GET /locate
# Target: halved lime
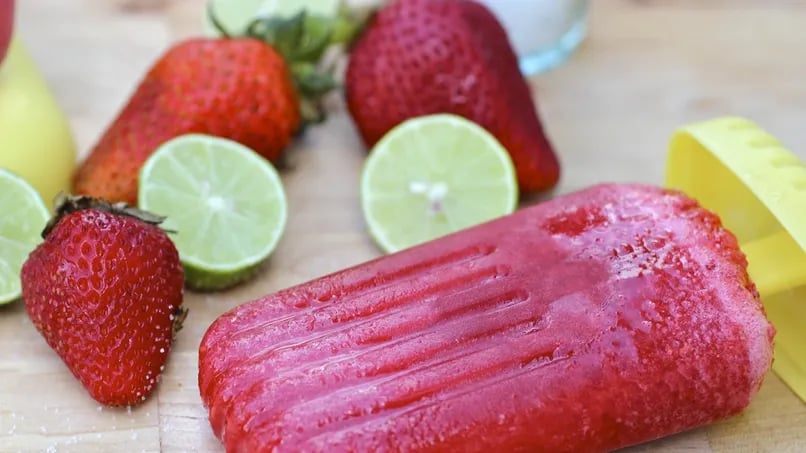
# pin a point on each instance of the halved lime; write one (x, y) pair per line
(225, 203)
(24, 216)
(236, 15)
(434, 175)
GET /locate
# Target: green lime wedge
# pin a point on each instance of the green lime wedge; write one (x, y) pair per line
(24, 216)
(225, 203)
(434, 175)
(236, 15)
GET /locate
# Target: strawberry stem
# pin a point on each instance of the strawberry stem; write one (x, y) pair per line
(65, 204)
(304, 40)
(179, 315)
(217, 23)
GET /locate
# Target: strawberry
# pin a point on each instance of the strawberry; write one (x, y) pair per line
(239, 88)
(105, 291)
(419, 57)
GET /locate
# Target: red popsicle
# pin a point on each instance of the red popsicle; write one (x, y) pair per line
(605, 318)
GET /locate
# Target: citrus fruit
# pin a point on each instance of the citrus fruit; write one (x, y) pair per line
(24, 217)
(225, 203)
(236, 15)
(36, 142)
(434, 175)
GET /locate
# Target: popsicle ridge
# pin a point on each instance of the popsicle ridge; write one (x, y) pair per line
(373, 373)
(300, 303)
(354, 340)
(370, 361)
(336, 326)
(597, 320)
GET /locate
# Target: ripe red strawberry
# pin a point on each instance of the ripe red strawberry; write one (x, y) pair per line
(105, 290)
(418, 57)
(239, 88)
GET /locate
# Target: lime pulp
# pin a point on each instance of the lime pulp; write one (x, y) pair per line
(225, 204)
(434, 175)
(24, 217)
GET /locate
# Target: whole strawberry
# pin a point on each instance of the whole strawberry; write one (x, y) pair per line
(105, 290)
(418, 57)
(240, 88)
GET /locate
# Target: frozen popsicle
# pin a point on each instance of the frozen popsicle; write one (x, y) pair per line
(757, 187)
(597, 320)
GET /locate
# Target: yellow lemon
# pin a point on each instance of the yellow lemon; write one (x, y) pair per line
(35, 139)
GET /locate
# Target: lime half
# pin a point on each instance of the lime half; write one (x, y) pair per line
(434, 175)
(24, 217)
(236, 15)
(225, 203)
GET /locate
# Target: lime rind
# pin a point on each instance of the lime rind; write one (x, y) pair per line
(211, 279)
(226, 203)
(24, 216)
(475, 167)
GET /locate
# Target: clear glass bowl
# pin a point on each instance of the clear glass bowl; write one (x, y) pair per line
(544, 33)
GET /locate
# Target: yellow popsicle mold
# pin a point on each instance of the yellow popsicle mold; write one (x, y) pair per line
(758, 188)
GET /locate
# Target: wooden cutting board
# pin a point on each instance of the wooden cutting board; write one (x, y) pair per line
(647, 67)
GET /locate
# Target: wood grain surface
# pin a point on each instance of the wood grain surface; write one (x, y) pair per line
(646, 68)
